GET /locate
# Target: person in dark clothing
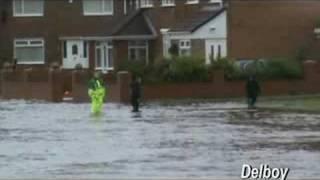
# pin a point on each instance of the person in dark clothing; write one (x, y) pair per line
(253, 90)
(135, 87)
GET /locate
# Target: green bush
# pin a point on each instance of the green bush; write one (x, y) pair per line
(178, 69)
(231, 70)
(186, 69)
(135, 67)
(283, 68)
(194, 69)
(276, 68)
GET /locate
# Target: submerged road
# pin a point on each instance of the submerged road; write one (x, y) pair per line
(200, 139)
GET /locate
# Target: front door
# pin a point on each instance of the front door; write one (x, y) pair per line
(104, 56)
(75, 54)
(215, 49)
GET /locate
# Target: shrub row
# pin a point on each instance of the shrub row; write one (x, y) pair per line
(191, 69)
(179, 69)
(276, 68)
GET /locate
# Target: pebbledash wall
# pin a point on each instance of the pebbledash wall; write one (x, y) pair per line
(27, 85)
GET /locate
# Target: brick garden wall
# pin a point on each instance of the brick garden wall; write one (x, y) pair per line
(32, 84)
(221, 88)
(48, 85)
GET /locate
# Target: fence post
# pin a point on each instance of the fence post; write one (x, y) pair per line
(311, 76)
(26, 82)
(79, 86)
(55, 84)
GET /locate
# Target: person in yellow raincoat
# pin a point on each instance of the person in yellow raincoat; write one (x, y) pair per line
(97, 93)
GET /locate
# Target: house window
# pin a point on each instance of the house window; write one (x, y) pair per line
(104, 55)
(29, 51)
(75, 49)
(85, 49)
(99, 56)
(184, 47)
(168, 3)
(146, 3)
(216, 2)
(97, 7)
(219, 52)
(64, 49)
(110, 55)
(138, 50)
(215, 52)
(28, 7)
(212, 53)
(192, 1)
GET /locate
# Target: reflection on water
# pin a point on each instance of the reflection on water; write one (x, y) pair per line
(194, 139)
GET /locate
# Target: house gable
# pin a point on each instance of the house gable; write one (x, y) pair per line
(207, 39)
(213, 28)
(138, 25)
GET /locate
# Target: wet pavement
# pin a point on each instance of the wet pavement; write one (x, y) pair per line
(205, 139)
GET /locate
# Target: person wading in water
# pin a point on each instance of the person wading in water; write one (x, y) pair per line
(135, 93)
(97, 92)
(253, 90)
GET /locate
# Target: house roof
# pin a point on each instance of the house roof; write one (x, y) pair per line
(196, 20)
(135, 25)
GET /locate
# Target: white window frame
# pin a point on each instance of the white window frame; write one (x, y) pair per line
(216, 2)
(103, 13)
(23, 14)
(168, 3)
(29, 44)
(184, 45)
(109, 46)
(192, 2)
(146, 47)
(146, 3)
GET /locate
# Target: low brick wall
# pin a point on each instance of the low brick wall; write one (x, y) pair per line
(28, 84)
(49, 85)
(223, 88)
(13, 84)
(226, 89)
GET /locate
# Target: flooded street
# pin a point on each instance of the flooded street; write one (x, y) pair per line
(182, 140)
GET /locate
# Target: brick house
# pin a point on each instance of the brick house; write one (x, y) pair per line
(205, 33)
(100, 34)
(273, 28)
